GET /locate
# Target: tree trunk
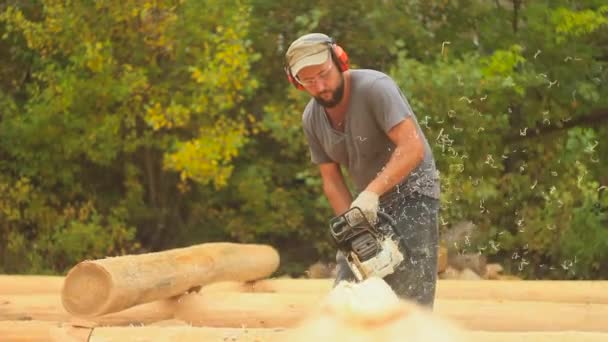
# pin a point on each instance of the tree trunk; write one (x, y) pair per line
(98, 287)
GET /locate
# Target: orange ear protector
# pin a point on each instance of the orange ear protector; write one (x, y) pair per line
(337, 54)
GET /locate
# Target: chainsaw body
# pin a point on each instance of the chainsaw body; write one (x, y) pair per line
(370, 250)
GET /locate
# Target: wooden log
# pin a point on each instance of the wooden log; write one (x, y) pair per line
(267, 310)
(561, 291)
(503, 315)
(541, 290)
(251, 310)
(273, 285)
(42, 331)
(28, 284)
(49, 308)
(537, 336)
(97, 287)
(195, 334)
(186, 334)
(565, 291)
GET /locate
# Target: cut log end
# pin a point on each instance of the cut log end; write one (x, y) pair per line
(86, 288)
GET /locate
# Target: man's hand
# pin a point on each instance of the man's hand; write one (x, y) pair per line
(368, 202)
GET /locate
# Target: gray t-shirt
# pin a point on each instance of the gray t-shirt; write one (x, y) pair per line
(376, 105)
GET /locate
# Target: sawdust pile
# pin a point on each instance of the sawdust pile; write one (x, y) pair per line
(371, 311)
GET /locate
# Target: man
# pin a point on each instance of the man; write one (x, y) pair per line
(360, 120)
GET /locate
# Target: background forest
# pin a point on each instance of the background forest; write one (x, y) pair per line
(129, 126)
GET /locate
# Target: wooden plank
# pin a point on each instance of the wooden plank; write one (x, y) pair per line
(96, 287)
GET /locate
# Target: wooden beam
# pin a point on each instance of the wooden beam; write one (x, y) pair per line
(97, 287)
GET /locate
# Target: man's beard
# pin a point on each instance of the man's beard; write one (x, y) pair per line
(336, 96)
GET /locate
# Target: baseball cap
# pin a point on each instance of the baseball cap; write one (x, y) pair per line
(309, 49)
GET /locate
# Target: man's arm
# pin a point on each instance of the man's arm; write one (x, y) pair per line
(408, 153)
(335, 187)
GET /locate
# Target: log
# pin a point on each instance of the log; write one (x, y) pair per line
(537, 336)
(273, 285)
(27, 284)
(97, 287)
(562, 291)
(268, 310)
(504, 315)
(42, 331)
(48, 308)
(195, 334)
(250, 310)
(186, 334)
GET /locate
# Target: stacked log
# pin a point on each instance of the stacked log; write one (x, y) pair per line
(148, 296)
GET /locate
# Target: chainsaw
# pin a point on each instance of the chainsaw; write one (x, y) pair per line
(370, 250)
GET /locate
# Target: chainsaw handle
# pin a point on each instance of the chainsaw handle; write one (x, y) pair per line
(388, 218)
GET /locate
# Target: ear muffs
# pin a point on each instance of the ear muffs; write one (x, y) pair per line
(292, 79)
(338, 55)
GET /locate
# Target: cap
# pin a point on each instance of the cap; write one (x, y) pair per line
(309, 49)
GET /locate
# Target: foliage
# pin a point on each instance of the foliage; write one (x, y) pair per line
(141, 125)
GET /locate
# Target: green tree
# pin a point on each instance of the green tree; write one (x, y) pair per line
(124, 105)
